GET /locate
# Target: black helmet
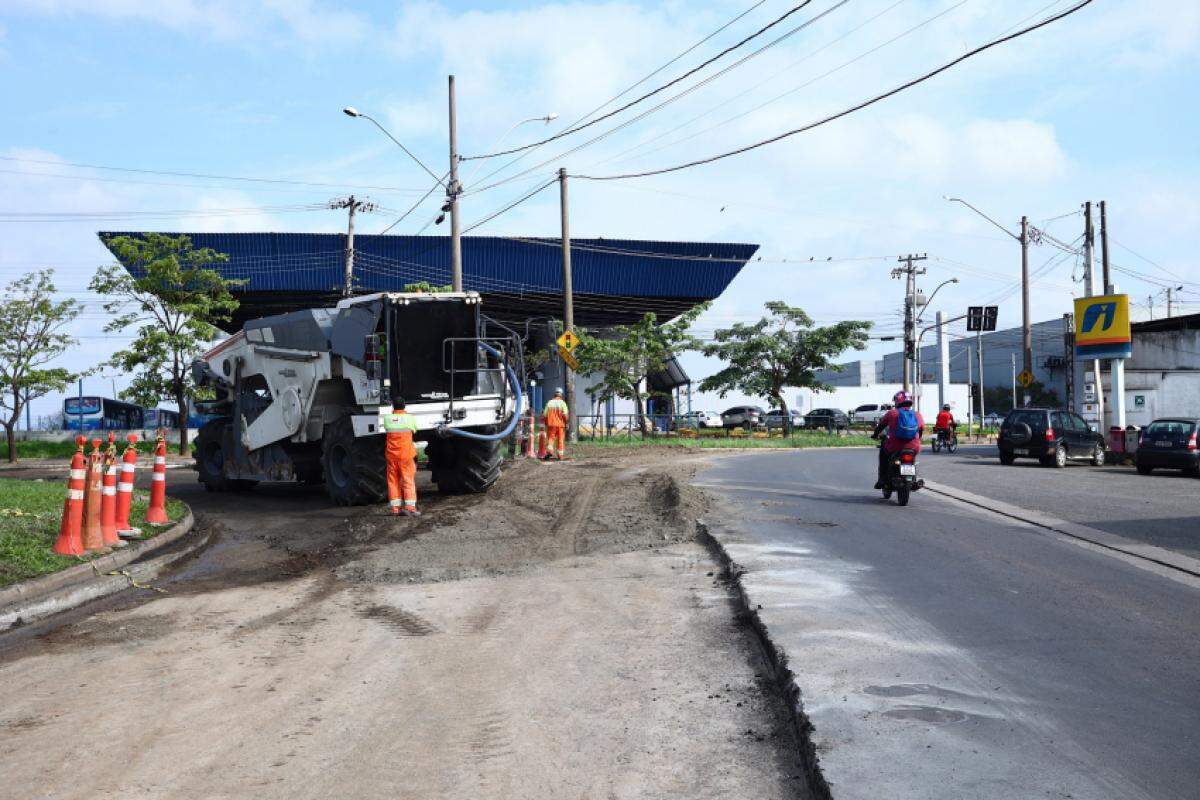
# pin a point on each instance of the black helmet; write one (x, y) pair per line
(946, 407)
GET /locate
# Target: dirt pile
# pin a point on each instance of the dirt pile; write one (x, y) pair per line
(538, 512)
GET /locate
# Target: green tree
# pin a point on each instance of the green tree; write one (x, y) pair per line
(998, 399)
(31, 337)
(628, 353)
(780, 350)
(174, 303)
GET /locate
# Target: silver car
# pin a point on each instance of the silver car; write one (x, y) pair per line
(744, 417)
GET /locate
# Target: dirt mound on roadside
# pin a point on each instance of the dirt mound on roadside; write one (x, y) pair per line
(537, 512)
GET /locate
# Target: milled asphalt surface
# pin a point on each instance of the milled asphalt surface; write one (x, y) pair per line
(947, 652)
(1161, 509)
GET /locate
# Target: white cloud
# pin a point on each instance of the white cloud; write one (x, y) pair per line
(301, 21)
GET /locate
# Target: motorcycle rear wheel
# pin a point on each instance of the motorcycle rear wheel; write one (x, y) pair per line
(902, 495)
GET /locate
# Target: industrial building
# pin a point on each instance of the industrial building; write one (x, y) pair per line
(1162, 378)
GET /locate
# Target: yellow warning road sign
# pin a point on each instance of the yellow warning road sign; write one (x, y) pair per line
(1025, 378)
(568, 341)
(569, 359)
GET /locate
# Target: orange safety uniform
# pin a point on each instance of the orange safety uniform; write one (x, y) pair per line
(556, 427)
(401, 460)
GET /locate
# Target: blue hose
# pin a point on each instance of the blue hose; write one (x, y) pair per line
(512, 423)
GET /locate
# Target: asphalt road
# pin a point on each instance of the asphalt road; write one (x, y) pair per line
(947, 652)
(1161, 509)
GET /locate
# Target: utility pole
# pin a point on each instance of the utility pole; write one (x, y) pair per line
(1150, 302)
(452, 191)
(1089, 282)
(1069, 357)
(910, 274)
(1026, 325)
(970, 394)
(568, 301)
(1104, 247)
(1014, 380)
(352, 204)
(1168, 302)
(943, 345)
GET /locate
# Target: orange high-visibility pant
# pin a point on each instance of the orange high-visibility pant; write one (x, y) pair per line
(556, 440)
(401, 471)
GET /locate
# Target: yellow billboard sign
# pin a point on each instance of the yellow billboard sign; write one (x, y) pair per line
(1102, 327)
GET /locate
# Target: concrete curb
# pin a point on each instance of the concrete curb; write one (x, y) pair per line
(34, 599)
(1110, 541)
(785, 679)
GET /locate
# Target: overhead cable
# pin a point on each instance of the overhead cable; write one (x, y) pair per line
(852, 109)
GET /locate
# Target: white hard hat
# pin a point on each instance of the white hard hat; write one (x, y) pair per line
(558, 391)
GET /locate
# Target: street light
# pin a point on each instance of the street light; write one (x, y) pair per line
(351, 111)
(547, 119)
(929, 300)
(917, 348)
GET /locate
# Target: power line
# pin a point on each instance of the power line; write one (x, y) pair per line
(205, 176)
(651, 93)
(852, 109)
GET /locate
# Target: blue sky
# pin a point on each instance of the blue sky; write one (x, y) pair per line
(1099, 106)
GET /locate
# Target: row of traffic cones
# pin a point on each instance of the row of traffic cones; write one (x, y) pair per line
(96, 509)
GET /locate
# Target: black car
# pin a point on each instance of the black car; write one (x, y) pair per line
(1052, 436)
(827, 418)
(1169, 444)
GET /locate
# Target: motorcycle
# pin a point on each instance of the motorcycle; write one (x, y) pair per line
(900, 476)
(945, 439)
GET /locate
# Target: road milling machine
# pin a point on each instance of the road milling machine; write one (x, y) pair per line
(301, 396)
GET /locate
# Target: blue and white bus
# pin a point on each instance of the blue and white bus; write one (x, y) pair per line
(161, 418)
(101, 414)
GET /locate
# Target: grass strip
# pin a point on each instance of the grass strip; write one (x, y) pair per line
(30, 516)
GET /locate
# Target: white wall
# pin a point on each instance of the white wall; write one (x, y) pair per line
(847, 398)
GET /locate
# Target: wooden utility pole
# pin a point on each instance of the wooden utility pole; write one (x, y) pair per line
(568, 302)
(452, 191)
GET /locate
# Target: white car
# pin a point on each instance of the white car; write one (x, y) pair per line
(706, 419)
(870, 413)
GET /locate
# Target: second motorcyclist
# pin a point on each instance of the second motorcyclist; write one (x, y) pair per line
(904, 428)
(944, 425)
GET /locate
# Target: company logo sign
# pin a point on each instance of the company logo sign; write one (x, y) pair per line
(1102, 327)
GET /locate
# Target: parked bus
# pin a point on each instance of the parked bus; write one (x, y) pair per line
(161, 418)
(101, 414)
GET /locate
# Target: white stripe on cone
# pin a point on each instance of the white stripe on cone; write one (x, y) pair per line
(126, 467)
(158, 476)
(124, 487)
(78, 474)
(160, 460)
(75, 494)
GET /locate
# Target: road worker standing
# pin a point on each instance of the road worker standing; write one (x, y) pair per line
(401, 460)
(556, 427)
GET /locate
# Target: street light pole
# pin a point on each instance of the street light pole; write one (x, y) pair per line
(1026, 325)
(452, 192)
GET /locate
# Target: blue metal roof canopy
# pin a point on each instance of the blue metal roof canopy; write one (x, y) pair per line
(614, 280)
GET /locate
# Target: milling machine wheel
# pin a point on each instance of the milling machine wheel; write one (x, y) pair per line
(355, 468)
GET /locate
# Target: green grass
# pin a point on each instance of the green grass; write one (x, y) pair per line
(64, 450)
(30, 515)
(797, 440)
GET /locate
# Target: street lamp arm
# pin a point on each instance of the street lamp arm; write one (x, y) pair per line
(980, 213)
(398, 144)
(935, 291)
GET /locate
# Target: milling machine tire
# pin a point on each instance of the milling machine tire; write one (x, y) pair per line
(355, 467)
(464, 465)
(212, 442)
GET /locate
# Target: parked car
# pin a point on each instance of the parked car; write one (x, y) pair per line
(745, 417)
(1169, 444)
(827, 418)
(774, 418)
(870, 413)
(1052, 436)
(706, 419)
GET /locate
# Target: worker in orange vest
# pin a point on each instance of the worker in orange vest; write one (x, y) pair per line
(556, 427)
(399, 427)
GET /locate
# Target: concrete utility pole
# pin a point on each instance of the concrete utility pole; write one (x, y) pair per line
(452, 191)
(1104, 247)
(910, 274)
(979, 349)
(943, 345)
(1150, 303)
(352, 204)
(1069, 356)
(1026, 325)
(1089, 282)
(1168, 302)
(1014, 380)
(568, 301)
(970, 395)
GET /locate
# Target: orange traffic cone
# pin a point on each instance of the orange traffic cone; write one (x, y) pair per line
(108, 501)
(93, 536)
(70, 539)
(531, 437)
(541, 451)
(125, 488)
(156, 514)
